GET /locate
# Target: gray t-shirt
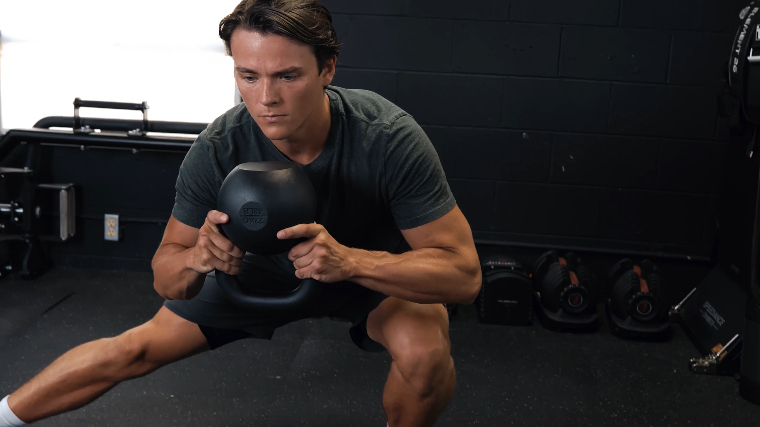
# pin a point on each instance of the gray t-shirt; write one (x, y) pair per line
(378, 172)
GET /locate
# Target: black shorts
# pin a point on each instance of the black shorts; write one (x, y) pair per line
(223, 322)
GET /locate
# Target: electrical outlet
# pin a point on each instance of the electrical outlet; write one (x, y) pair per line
(112, 227)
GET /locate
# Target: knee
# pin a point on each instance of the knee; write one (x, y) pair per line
(124, 358)
(426, 366)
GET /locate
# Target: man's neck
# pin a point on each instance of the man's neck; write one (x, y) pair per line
(308, 141)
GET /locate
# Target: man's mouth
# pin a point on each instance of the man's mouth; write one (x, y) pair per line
(273, 118)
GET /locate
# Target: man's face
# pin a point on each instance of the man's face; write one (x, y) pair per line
(278, 76)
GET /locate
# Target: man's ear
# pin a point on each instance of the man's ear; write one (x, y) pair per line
(328, 71)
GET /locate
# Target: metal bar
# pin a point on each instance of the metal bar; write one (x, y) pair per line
(678, 307)
(6, 208)
(66, 208)
(63, 217)
(725, 347)
(78, 103)
(97, 139)
(191, 128)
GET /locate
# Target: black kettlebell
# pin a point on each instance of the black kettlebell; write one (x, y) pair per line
(260, 199)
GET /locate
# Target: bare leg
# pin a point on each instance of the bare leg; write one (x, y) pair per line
(422, 377)
(88, 371)
(405, 406)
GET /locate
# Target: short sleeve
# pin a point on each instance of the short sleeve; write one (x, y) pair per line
(197, 185)
(417, 188)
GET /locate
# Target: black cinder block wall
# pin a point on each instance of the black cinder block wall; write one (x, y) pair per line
(580, 123)
(587, 124)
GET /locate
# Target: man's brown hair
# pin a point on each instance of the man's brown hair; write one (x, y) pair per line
(306, 21)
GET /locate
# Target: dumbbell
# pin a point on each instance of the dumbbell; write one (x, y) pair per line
(564, 283)
(636, 291)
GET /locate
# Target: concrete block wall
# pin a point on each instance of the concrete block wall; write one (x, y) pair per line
(577, 123)
(587, 124)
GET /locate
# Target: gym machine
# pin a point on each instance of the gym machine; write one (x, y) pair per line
(26, 216)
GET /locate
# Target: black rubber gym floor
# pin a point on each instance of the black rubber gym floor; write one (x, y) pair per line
(311, 374)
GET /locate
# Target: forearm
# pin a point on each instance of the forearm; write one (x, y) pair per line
(430, 275)
(172, 276)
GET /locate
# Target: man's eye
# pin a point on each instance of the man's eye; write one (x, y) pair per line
(249, 79)
(289, 77)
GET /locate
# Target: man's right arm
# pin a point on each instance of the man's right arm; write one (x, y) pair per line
(186, 254)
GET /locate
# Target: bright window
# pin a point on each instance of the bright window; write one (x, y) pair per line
(167, 53)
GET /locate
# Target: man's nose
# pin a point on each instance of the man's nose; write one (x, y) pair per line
(268, 93)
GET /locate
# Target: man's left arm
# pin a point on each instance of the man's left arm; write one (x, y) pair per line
(442, 266)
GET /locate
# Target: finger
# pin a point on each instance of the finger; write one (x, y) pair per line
(301, 230)
(227, 246)
(213, 232)
(223, 256)
(227, 268)
(300, 250)
(223, 248)
(216, 217)
(312, 271)
(304, 273)
(220, 246)
(223, 261)
(206, 261)
(303, 262)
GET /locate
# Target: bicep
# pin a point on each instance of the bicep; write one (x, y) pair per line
(179, 233)
(451, 232)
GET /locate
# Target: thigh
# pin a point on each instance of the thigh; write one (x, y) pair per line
(399, 325)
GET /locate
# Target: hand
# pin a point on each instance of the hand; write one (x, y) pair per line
(213, 250)
(320, 257)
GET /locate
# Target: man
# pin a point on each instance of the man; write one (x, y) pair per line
(390, 244)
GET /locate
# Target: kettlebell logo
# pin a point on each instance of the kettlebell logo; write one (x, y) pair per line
(253, 215)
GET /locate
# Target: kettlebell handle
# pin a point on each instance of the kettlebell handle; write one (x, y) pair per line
(293, 301)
